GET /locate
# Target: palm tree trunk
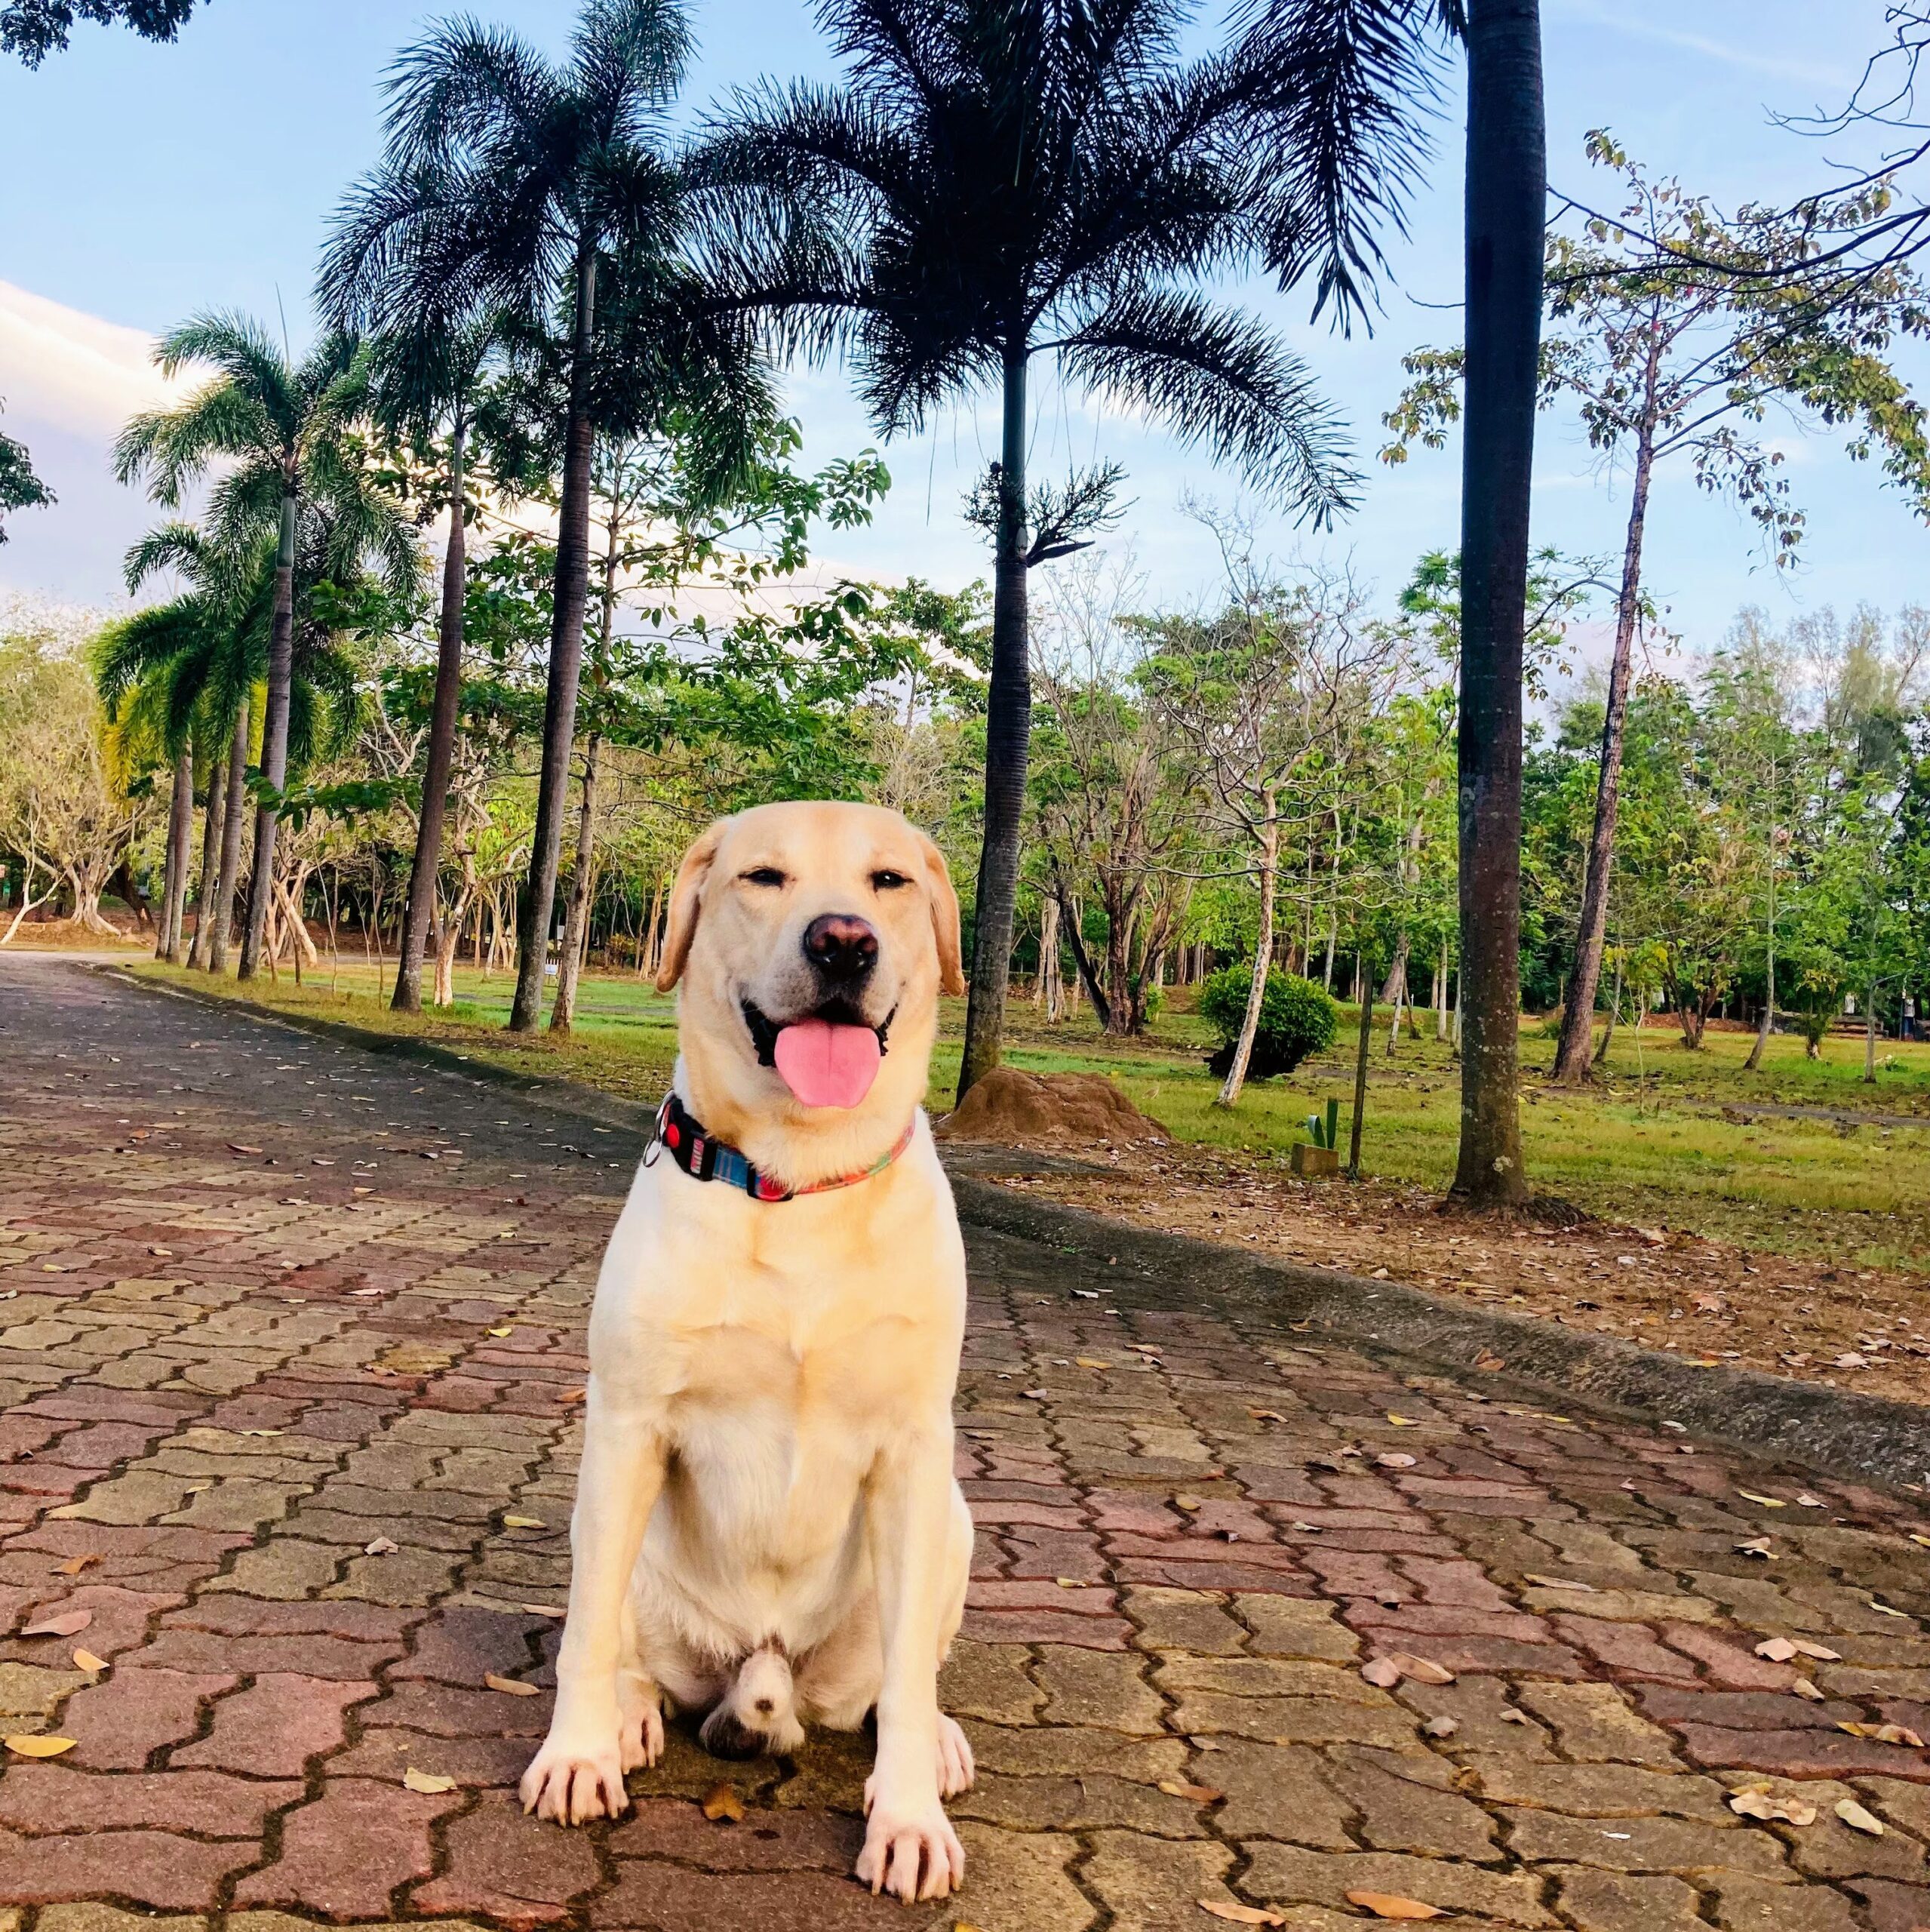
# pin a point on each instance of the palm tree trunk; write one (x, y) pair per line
(428, 865)
(174, 857)
(1008, 732)
(180, 838)
(563, 1014)
(216, 955)
(210, 865)
(1575, 1057)
(1263, 954)
(1506, 193)
(274, 739)
(566, 662)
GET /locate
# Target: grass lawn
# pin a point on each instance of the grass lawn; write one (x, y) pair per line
(1659, 1143)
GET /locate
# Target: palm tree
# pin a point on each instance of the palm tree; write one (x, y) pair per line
(510, 182)
(428, 380)
(992, 183)
(185, 662)
(1507, 221)
(286, 429)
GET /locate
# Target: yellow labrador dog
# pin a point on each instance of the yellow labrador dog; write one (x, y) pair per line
(767, 1525)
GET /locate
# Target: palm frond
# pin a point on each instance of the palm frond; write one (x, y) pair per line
(1213, 376)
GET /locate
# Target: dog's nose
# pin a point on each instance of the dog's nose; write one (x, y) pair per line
(841, 946)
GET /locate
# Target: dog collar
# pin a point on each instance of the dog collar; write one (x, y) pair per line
(703, 1157)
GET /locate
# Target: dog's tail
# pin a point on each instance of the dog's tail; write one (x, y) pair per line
(759, 1712)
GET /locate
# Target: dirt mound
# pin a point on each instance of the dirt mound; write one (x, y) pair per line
(1010, 1108)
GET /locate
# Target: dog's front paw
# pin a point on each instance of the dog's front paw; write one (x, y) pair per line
(571, 1782)
(911, 1851)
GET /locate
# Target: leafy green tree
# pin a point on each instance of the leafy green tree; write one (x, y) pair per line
(20, 489)
(34, 29)
(513, 183)
(1678, 359)
(989, 186)
(286, 433)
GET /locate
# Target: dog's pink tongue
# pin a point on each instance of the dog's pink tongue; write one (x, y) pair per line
(826, 1066)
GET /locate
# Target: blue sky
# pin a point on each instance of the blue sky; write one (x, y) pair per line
(145, 182)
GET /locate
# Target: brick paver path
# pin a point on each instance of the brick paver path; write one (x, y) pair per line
(288, 1365)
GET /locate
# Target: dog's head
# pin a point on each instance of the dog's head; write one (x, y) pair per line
(812, 942)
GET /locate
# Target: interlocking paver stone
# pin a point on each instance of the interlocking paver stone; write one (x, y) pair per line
(1182, 1564)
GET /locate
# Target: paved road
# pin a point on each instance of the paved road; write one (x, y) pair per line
(288, 1370)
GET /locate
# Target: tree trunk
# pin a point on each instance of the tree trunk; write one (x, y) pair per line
(210, 863)
(1614, 1013)
(180, 834)
(1263, 952)
(1360, 1075)
(1575, 1056)
(231, 842)
(1047, 994)
(1506, 194)
(451, 936)
(1870, 1038)
(566, 664)
(1008, 732)
(428, 865)
(576, 928)
(1754, 1062)
(1088, 975)
(1441, 996)
(274, 739)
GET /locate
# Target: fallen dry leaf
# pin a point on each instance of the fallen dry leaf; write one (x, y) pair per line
(1393, 1459)
(1423, 1670)
(38, 1747)
(68, 1623)
(1803, 1688)
(1756, 1803)
(1266, 1415)
(1240, 1915)
(75, 1565)
(721, 1802)
(1440, 1726)
(236, 1147)
(1887, 1610)
(1858, 1820)
(86, 1660)
(1756, 1546)
(1777, 1649)
(1821, 1652)
(381, 1546)
(1383, 1672)
(1884, 1733)
(508, 1328)
(430, 1782)
(1189, 1503)
(523, 1523)
(1200, 1794)
(573, 1396)
(1767, 1501)
(513, 1687)
(1559, 1583)
(544, 1610)
(1401, 1421)
(1490, 1361)
(1089, 1362)
(1386, 1905)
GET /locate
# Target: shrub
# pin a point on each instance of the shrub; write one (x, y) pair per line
(1297, 1018)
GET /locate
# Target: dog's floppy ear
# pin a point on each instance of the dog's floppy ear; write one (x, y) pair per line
(684, 895)
(945, 919)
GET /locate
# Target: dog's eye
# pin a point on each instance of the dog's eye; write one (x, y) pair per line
(888, 880)
(763, 875)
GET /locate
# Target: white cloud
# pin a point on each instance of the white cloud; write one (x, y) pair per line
(70, 371)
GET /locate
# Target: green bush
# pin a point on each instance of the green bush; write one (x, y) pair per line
(1297, 1018)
